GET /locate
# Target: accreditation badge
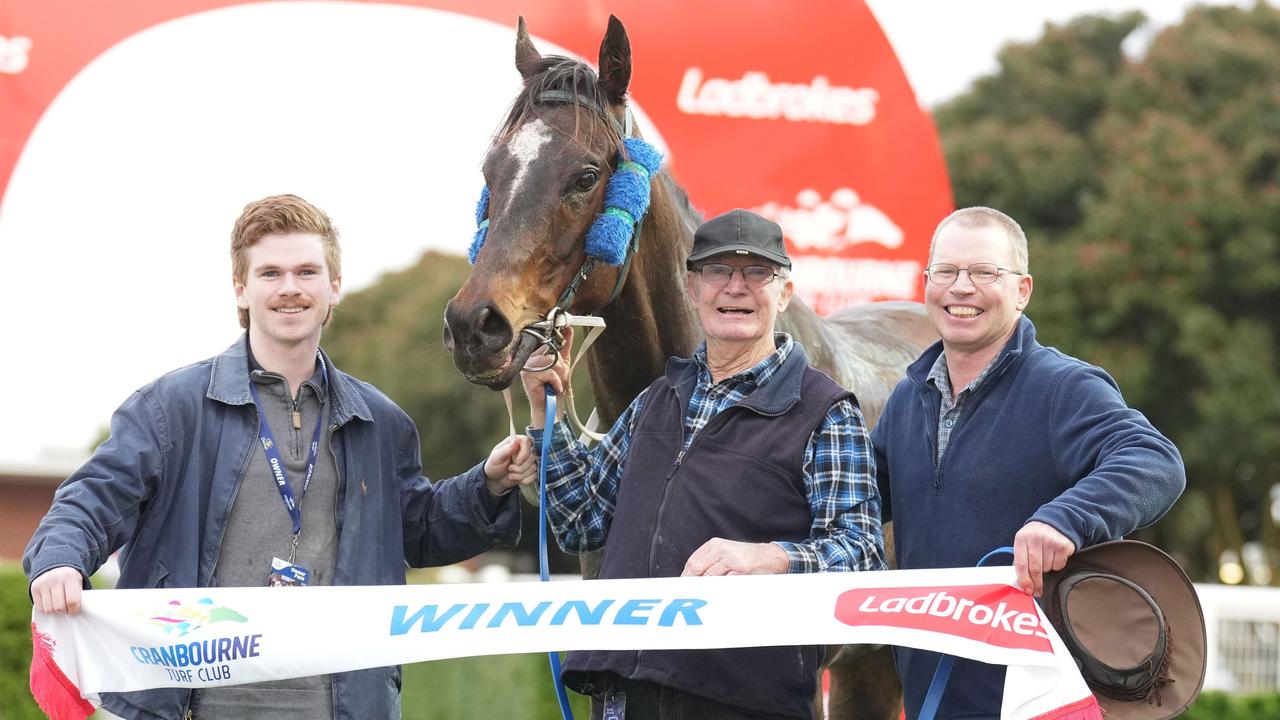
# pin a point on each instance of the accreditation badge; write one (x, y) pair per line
(615, 706)
(286, 574)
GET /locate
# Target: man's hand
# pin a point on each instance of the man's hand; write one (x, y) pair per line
(1038, 549)
(557, 376)
(718, 556)
(58, 591)
(510, 463)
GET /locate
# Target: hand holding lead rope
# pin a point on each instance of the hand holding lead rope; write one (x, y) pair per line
(551, 365)
(555, 332)
(547, 367)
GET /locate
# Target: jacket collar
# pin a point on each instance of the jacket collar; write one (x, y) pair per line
(1022, 341)
(775, 397)
(229, 383)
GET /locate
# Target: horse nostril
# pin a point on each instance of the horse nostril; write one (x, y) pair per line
(447, 336)
(472, 330)
(493, 328)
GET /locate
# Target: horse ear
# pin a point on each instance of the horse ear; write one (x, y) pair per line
(615, 62)
(528, 59)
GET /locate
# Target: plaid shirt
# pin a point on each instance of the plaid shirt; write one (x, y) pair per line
(839, 474)
(949, 410)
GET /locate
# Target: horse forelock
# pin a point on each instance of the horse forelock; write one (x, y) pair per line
(538, 134)
(566, 75)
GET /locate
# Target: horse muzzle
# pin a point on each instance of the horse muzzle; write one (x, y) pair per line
(484, 346)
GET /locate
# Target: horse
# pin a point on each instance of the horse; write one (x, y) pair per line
(546, 173)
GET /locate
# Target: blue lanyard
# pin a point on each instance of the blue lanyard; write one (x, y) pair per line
(276, 465)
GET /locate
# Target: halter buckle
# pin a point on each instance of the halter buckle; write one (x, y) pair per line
(549, 332)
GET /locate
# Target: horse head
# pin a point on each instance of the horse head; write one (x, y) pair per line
(543, 207)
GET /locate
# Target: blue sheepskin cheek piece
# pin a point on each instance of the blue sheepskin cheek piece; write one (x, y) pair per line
(482, 225)
(643, 154)
(626, 200)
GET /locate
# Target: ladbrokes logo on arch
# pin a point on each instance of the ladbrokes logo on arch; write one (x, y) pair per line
(757, 97)
(994, 614)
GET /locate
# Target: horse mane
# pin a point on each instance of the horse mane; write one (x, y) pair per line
(691, 216)
(559, 74)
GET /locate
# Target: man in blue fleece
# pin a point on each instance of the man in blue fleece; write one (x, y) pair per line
(993, 439)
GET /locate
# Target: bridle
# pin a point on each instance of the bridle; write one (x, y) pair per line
(613, 238)
(549, 330)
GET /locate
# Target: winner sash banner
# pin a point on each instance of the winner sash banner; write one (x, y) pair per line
(125, 640)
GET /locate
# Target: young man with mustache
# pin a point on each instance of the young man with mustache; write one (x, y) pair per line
(267, 465)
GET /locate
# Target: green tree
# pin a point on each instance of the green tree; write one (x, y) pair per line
(1149, 188)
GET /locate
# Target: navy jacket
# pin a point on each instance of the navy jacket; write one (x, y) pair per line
(160, 491)
(1046, 437)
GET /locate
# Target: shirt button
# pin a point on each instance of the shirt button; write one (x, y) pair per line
(949, 423)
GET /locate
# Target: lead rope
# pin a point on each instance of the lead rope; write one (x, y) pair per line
(594, 331)
(552, 340)
(595, 326)
(543, 572)
(933, 698)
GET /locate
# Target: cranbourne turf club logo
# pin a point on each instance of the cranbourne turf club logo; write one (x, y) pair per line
(180, 620)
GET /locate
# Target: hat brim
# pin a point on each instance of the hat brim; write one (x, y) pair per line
(741, 249)
(1156, 573)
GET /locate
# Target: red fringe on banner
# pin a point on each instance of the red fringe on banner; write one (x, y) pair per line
(1086, 709)
(53, 691)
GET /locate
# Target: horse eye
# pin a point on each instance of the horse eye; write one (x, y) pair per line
(586, 180)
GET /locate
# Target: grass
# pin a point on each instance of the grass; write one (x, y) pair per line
(515, 687)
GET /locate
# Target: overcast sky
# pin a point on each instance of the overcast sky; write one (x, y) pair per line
(96, 311)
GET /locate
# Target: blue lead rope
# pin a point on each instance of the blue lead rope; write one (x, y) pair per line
(543, 573)
(940, 676)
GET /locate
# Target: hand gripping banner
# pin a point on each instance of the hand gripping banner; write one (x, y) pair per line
(126, 640)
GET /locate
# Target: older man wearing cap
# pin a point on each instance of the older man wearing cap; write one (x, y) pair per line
(742, 459)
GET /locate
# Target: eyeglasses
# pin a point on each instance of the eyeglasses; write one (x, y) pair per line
(719, 274)
(979, 273)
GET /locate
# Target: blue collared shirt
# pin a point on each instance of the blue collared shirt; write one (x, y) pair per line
(839, 473)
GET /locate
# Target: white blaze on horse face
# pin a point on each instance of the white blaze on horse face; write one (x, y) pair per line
(524, 147)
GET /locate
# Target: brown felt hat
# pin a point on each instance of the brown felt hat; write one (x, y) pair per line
(1132, 621)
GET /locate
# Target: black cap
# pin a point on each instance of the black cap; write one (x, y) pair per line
(740, 232)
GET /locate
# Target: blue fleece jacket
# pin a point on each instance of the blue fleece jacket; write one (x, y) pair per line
(1045, 437)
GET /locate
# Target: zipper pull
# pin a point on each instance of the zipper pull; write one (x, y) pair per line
(297, 420)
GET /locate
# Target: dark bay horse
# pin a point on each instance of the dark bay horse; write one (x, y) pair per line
(546, 174)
